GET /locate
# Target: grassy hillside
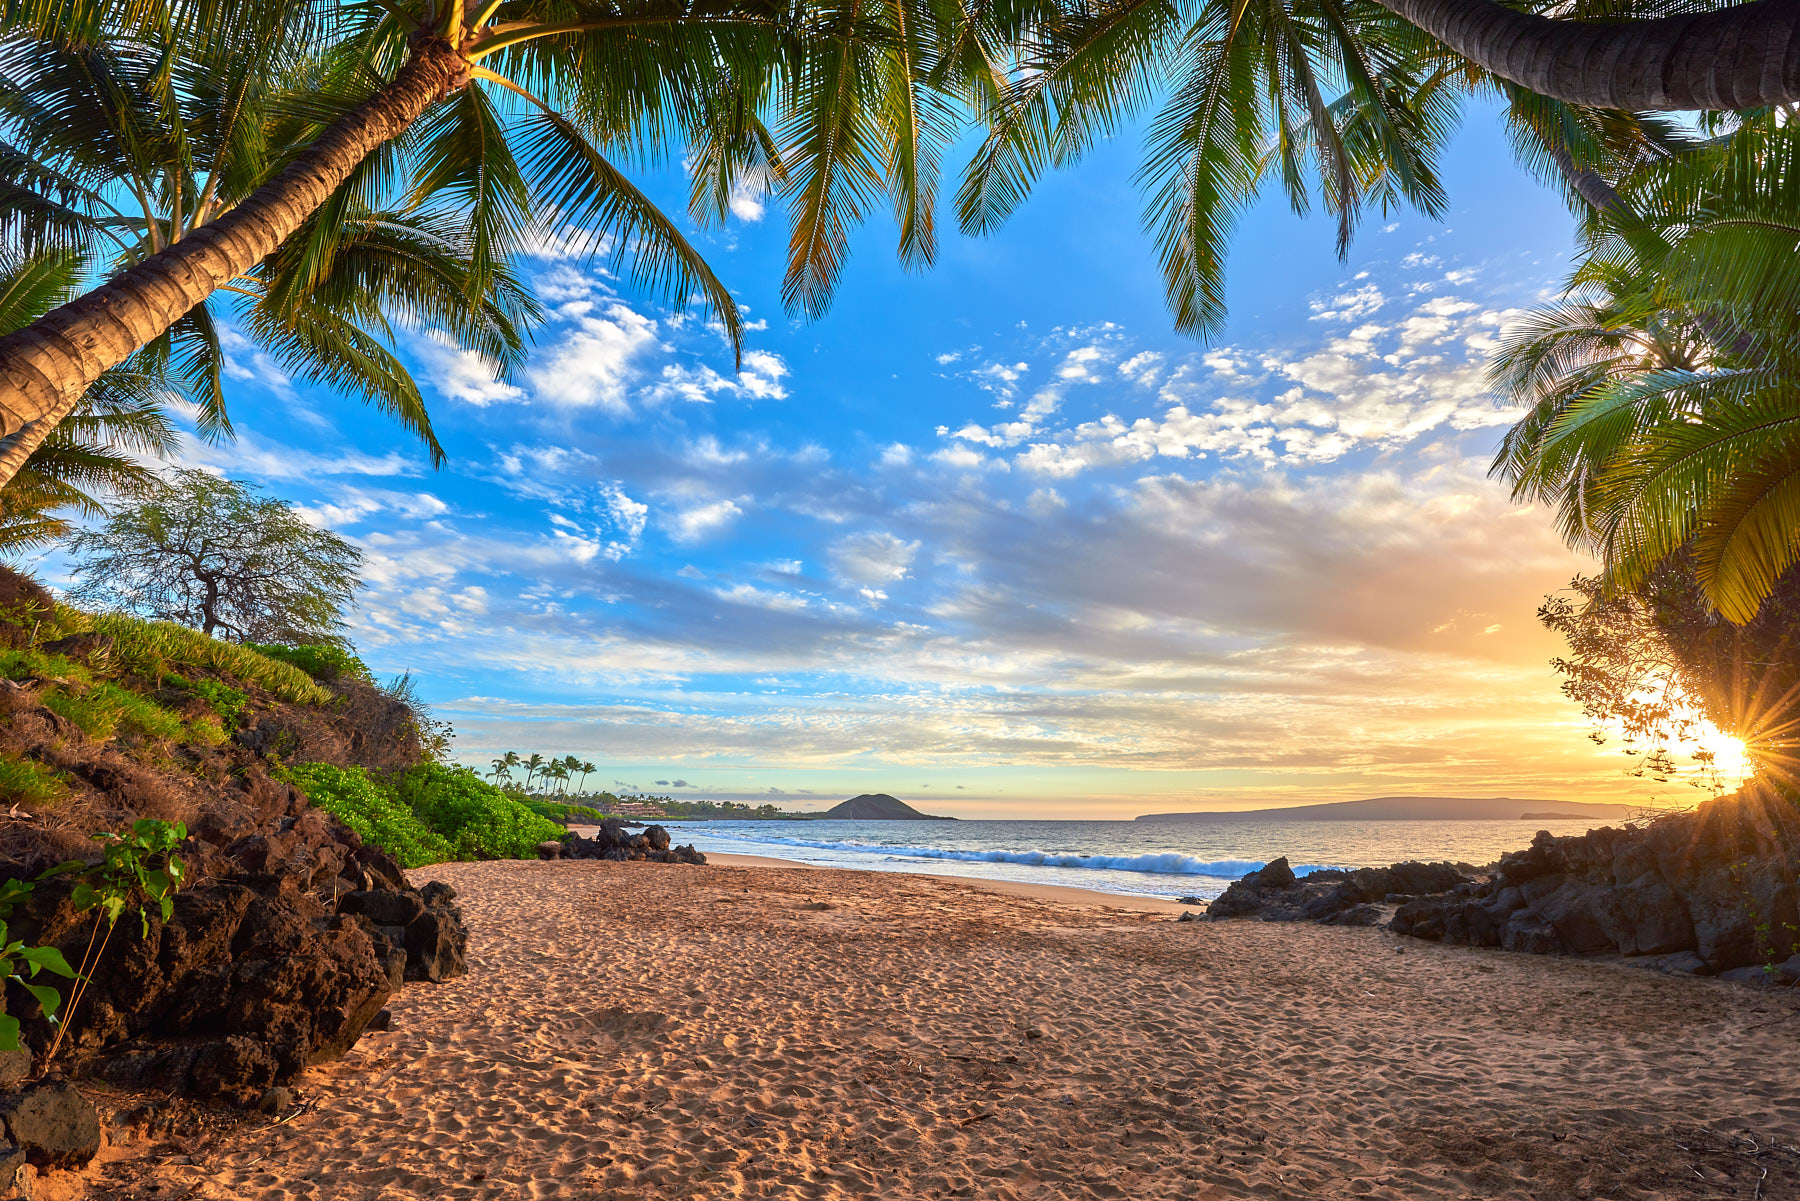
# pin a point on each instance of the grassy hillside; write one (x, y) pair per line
(105, 718)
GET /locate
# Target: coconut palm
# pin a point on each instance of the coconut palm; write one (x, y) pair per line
(118, 158)
(1731, 57)
(502, 770)
(93, 452)
(586, 770)
(1659, 391)
(512, 113)
(533, 765)
(1246, 96)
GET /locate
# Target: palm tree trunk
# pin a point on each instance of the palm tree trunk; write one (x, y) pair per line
(46, 366)
(1591, 186)
(1734, 58)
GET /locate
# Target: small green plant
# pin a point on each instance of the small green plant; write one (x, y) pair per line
(18, 663)
(207, 730)
(22, 964)
(127, 877)
(25, 782)
(231, 705)
(322, 662)
(372, 810)
(103, 708)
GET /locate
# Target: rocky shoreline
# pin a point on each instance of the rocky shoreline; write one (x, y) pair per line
(1710, 891)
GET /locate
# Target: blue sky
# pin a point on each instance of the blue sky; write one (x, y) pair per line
(993, 537)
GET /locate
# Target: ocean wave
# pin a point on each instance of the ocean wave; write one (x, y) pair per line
(1166, 863)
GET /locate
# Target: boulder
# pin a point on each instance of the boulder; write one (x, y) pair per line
(53, 1124)
(435, 945)
(1682, 963)
(12, 1158)
(1644, 917)
(1528, 932)
(1247, 895)
(294, 941)
(1356, 915)
(384, 907)
(1570, 910)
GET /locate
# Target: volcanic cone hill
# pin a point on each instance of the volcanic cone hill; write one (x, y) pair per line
(290, 932)
(879, 806)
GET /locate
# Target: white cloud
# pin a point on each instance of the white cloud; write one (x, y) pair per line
(872, 558)
(462, 374)
(595, 361)
(745, 204)
(701, 521)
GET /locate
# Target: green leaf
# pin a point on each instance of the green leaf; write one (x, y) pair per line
(48, 958)
(48, 997)
(9, 1032)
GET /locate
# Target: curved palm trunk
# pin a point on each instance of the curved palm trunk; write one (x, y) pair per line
(46, 366)
(1736, 58)
(1591, 186)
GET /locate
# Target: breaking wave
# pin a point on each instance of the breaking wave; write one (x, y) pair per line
(1166, 863)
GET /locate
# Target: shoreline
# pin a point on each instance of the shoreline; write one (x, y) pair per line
(1073, 894)
(1070, 894)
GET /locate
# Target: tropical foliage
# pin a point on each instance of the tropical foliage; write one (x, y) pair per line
(429, 814)
(1658, 391)
(119, 146)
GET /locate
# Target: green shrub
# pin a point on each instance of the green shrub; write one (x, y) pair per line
(229, 703)
(479, 820)
(23, 782)
(103, 708)
(322, 663)
(562, 814)
(371, 809)
(207, 730)
(28, 664)
(155, 648)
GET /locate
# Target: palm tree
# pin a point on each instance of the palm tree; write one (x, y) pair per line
(1739, 57)
(502, 770)
(93, 451)
(586, 768)
(506, 111)
(533, 765)
(1659, 391)
(556, 770)
(1244, 91)
(94, 121)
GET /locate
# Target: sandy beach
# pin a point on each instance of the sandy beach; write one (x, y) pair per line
(635, 1031)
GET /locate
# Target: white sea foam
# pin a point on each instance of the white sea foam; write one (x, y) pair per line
(1167, 863)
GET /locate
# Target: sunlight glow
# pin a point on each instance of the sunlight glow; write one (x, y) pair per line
(1731, 757)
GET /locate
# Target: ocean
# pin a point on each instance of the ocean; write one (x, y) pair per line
(1159, 859)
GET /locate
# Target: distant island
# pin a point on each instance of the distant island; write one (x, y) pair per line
(1413, 808)
(879, 806)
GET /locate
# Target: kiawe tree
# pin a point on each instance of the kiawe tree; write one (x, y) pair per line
(223, 558)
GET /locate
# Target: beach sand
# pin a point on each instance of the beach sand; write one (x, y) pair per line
(633, 1031)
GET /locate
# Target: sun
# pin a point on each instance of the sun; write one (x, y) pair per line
(1731, 757)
